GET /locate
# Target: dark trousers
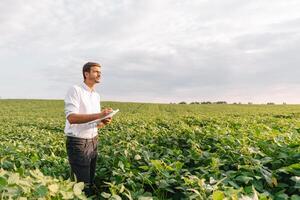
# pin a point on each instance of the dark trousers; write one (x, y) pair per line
(82, 155)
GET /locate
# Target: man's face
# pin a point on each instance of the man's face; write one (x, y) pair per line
(94, 75)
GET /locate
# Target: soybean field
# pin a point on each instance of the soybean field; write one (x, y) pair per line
(156, 151)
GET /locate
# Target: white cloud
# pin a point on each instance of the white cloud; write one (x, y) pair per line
(158, 50)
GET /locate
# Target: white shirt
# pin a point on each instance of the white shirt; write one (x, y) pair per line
(80, 99)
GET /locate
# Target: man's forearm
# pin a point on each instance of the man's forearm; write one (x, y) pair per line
(82, 118)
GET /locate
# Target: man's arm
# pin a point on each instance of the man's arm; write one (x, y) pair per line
(75, 118)
(82, 118)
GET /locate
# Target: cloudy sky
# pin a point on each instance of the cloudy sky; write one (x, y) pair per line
(153, 51)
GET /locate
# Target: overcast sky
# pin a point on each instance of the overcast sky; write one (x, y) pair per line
(153, 51)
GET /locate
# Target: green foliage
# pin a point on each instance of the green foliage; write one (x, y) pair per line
(159, 151)
(34, 185)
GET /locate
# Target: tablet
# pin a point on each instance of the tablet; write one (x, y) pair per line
(97, 121)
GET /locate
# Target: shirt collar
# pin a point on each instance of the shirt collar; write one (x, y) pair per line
(87, 87)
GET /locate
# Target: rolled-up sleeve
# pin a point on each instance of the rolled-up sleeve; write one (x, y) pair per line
(72, 102)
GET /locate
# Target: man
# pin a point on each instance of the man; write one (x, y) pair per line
(82, 105)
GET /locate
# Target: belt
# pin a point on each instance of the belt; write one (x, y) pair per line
(82, 139)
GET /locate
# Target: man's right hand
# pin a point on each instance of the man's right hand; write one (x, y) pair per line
(104, 122)
(75, 118)
(105, 112)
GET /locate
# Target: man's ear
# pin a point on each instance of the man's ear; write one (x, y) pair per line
(86, 74)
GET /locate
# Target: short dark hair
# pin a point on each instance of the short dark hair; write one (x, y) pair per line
(87, 67)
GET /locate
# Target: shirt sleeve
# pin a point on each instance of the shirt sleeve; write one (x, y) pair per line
(72, 100)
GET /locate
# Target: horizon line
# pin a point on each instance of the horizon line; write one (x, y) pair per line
(177, 102)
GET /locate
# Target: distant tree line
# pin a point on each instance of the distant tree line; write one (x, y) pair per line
(223, 102)
(204, 102)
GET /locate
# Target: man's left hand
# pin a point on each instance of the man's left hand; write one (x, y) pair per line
(107, 121)
(104, 122)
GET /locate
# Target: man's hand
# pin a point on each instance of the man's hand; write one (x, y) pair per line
(101, 125)
(105, 112)
(106, 121)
